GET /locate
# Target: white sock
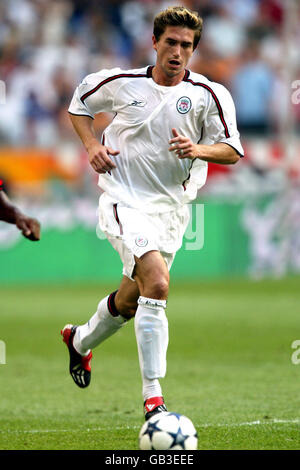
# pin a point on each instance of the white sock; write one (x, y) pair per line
(152, 335)
(100, 326)
(151, 388)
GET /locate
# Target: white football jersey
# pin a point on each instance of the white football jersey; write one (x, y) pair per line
(148, 176)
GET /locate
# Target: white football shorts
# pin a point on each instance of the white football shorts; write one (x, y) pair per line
(134, 233)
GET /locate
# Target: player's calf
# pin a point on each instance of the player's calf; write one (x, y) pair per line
(126, 308)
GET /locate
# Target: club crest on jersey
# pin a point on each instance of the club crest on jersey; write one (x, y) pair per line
(141, 241)
(183, 105)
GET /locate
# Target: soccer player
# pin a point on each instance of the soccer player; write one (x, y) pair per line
(169, 122)
(29, 227)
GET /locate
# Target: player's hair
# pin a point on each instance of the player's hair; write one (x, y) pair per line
(178, 16)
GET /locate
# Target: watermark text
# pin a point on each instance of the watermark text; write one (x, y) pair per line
(2, 352)
(2, 92)
(295, 358)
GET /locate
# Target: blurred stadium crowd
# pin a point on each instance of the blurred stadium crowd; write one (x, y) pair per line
(47, 47)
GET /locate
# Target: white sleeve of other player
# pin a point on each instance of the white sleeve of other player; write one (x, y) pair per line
(220, 121)
(93, 96)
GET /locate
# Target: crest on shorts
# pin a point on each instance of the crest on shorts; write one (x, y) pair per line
(141, 241)
(183, 105)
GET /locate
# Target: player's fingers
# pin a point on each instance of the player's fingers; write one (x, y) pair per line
(182, 148)
(181, 144)
(34, 230)
(30, 228)
(172, 142)
(101, 163)
(182, 154)
(26, 232)
(177, 137)
(185, 153)
(108, 163)
(23, 226)
(98, 168)
(95, 165)
(181, 139)
(112, 152)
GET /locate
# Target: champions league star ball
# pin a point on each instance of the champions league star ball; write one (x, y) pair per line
(168, 431)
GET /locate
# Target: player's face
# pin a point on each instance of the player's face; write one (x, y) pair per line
(174, 49)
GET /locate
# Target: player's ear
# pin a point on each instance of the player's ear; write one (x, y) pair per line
(154, 42)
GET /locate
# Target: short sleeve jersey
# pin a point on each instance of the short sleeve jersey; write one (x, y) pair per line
(148, 176)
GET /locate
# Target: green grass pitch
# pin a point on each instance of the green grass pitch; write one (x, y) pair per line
(229, 368)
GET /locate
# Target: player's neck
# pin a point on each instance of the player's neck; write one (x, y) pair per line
(161, 78)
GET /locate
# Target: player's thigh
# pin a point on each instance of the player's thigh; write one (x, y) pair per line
(152, 275)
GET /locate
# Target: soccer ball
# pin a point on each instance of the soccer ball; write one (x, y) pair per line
(168, 431)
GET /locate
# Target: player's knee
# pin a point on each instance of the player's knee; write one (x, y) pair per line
(158, 288)
(152, 276)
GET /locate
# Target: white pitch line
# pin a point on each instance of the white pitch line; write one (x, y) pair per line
(253, 423)
(203, 425)
(47, 431)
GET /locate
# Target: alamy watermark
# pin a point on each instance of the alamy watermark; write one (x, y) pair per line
(193, 239)
(2, 92)
(295, 358)
(2, 352)
(296, 94)
(194, 234)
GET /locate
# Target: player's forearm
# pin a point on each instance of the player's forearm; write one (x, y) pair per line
(8, 212)
(217, 153)
(84, 127)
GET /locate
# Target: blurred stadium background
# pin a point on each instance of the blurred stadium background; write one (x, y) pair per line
(229, 359)
(251, 210)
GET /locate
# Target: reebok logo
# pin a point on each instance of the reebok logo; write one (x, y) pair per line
(137, 103)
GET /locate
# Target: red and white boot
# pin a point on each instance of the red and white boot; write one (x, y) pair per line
(80, 366)
(154, 405)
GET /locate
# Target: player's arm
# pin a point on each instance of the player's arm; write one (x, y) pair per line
(216, 153)
(90, 98)
(29, 227)
(98, 153)
(219, 126)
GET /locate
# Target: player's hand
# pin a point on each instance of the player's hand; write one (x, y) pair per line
(99, 158)
(182, 146)
(29, 227)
